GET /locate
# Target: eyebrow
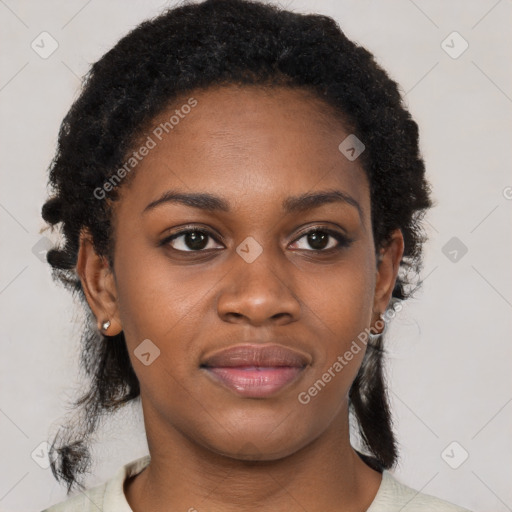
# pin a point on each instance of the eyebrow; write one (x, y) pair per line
(293, 204)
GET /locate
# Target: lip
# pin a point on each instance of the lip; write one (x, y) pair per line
(256, 371)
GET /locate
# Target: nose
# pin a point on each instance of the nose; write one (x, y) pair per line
(259, 293)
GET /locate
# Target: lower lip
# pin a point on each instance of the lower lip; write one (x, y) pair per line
(255, 382)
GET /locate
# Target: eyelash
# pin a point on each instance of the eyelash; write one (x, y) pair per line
(343, 241)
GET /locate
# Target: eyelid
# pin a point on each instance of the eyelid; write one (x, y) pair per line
(196, 228)
(342, 239)
(326, 229)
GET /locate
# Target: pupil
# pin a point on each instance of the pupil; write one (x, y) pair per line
(196, 240)
(318, 239)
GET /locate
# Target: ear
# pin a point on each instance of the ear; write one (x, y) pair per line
(387, 272)
(99, 285)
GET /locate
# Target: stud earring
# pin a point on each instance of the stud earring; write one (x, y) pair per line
(105, 325)
(381, 322)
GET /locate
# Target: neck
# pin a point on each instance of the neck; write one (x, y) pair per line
(325, 475)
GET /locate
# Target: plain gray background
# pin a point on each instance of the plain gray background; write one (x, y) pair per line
(450, 350)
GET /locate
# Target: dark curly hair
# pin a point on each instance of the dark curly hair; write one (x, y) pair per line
(197, 46)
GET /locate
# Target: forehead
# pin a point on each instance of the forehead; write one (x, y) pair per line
(253, 146)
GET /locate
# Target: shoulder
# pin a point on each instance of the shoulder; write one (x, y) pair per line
(84, 501)
(107, 497)
(394, 496)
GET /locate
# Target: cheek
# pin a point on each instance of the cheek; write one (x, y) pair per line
(342, 304)
(156, 299)
(340, 299)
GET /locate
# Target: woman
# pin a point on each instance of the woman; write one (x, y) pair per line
(240, 191)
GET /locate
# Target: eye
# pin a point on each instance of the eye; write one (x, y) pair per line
(318, 239)
(200, 240)
(190, 240)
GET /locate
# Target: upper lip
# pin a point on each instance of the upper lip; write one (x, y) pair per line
(268, 355)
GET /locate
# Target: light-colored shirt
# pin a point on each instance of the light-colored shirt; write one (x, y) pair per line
(392, 496)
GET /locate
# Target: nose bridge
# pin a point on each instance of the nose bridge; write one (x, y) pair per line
(260, 287)
(257, 264)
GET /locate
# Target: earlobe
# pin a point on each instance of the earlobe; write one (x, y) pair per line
(387, 271)
(98, 285)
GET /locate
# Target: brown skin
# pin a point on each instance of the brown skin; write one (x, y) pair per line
(254, 148)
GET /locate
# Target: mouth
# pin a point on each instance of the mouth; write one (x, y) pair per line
(256, 371)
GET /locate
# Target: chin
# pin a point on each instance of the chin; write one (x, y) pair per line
(253, 444)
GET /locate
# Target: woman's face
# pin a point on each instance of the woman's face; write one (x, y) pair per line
(253, 168)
